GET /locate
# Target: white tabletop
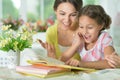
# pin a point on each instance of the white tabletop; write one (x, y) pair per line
(107, 74)
(32, 54)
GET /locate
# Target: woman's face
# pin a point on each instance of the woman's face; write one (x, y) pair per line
(66, 15)
(89, 29)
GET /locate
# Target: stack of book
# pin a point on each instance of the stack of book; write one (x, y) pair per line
(44, 68)
(41, 70)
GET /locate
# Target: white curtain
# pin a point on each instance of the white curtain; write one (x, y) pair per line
(112, 7)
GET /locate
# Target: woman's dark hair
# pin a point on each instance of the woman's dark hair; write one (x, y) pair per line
(76, 3)
(97, 13)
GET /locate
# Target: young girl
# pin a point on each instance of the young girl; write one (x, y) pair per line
(93, 42)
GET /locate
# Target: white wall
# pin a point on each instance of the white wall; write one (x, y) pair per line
(0, 9)
(112, 7)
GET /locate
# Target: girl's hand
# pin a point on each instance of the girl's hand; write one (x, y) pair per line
(78, 41)
(113, 60)
(73, 62)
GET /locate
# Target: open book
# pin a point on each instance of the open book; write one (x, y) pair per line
(48, 67)
(47, 61)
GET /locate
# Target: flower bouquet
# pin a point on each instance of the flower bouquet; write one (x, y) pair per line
(16, 41)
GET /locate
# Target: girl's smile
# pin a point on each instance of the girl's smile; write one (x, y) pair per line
(89, 29)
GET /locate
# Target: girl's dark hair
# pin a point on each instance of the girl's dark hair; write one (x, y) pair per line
(97, 13)
(76, 3)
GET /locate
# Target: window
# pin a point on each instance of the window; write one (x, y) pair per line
(28, 10)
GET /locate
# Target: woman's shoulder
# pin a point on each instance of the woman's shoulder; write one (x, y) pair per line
(52, 31)
(52, 28)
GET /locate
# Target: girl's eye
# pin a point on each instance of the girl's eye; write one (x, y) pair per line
(80, 26)
(90, 27)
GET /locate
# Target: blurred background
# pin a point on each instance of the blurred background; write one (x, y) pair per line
(39, 14)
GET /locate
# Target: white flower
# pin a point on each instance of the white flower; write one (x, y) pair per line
(15, 40)
(5, 27)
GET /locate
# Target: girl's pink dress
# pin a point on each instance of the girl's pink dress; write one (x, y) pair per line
(97, 52)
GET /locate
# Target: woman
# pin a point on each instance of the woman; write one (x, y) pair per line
(60, 36)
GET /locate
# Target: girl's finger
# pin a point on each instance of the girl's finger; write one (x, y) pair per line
(67, 62)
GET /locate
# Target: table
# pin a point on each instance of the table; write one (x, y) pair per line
(32, 54)
(107, 74)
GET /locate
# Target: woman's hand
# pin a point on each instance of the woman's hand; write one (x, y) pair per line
(73, 62)
(42, 43)
(113, 60)
(50, 49)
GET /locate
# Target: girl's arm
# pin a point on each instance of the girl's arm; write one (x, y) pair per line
(100, 64)
(77, 43)
(68, 53)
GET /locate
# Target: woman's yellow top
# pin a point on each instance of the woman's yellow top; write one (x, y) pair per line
(52, 38)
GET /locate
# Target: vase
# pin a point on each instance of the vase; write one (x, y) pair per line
(10, 59)
(17, 58)
(14, 59)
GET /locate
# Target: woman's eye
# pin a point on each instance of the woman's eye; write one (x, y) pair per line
(62, 14)
(74, 15)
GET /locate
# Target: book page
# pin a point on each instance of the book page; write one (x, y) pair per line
(51, 60)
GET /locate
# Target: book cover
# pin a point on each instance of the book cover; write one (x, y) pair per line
(42, 69)
(46, 75)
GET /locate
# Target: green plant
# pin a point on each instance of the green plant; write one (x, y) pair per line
(15, 40)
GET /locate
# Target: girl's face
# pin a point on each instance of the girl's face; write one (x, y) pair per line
(89, 29)
(66, 15)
